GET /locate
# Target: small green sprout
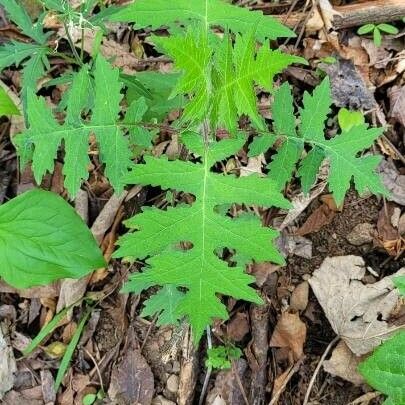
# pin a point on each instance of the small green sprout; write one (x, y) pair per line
(376, 30)
(221, 357)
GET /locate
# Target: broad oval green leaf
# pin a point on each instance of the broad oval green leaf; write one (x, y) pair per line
(43, 239)
(7, 107)
(388, 28)
(365, 29)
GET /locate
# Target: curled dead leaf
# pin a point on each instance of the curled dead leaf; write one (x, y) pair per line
(290, 332)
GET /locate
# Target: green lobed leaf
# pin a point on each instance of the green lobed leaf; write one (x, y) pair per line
(157, 13)
(342, 151)
(221, 357)
(18, 14)
(385, 369)
(158, 233)
(260, 144)
(192, 55)
(284, 162)
(238, 69)
(309, 168)
(159, 97)
(164, 303)
(219, 75)
(45, 134)
(42, 240)
(315, 111)
(13, 53)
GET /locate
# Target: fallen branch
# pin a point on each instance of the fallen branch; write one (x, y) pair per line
(353, 15)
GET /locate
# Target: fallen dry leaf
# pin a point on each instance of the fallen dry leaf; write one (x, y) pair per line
(106, 217)
(396, 95)
(379, 56)
(299, 203)
(319, 218)
(120, 54)
(255, 165)
(348, 87)
(49, 291)
(393, 181)
(358, 313)
(238, 327)
(388, 235)
(262, 271)
(8, 366)
(299, 297)
(290, 332)
(132, 380)
(226, 388)
(343, 363)
(294, 245)
(14, 397)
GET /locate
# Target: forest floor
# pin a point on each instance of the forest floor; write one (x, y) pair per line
(290, 345)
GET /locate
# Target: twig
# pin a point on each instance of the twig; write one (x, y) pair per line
(209, 370)
(318, 367)
(96, 367)
(72, 45)
(240, 385)
(152, 324)
(356, 14)
(292, 371)
(307, 17)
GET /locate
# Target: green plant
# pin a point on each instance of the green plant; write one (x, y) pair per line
(194, 252)
(221, 357)
(385, 368)
(185, 246)
(376, 29)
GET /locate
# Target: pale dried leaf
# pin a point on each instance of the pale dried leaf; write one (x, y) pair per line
(295, 245)
(49, 291)
(393, 181)
(106, 217)
(255, 165)
(356, 312)
(343, 363)
(120, 54)
(8, 366)
(396, 95)
(299, 297)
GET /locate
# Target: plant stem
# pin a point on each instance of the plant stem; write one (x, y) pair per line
(72, 45)
(82, 46)
(209, 370)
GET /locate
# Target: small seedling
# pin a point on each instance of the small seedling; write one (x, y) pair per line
(221, 357)
(377, 30)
